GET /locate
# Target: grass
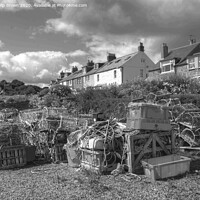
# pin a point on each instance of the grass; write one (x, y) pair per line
(59, 181)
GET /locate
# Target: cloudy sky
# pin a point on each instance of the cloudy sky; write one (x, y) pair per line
(39, 38)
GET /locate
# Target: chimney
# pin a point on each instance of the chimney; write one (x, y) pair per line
(141, 47)
(192, 40)
(110, 57)
(90, 63)
(74, 69)
(62, 74)
(164, 52)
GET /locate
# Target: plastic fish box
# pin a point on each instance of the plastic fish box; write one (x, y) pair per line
(166, 166)
(148, 117)
(95, 161)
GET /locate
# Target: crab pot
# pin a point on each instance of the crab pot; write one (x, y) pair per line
(166, 166)
(97, 161)
(12, 156)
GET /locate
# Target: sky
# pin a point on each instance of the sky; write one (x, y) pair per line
(41, 38)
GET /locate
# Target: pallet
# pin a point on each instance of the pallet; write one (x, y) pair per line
(12, 156)
(153, 139)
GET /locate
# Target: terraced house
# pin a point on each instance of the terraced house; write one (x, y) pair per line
(114, 71)
(183, 60)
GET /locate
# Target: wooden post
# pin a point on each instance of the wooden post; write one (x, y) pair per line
(173, 136)
(131, 150)
(154, 144)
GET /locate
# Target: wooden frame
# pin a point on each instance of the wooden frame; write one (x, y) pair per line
(154, 138)
(12, 156)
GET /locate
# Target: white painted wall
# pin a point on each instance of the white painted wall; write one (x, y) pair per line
(107, 77)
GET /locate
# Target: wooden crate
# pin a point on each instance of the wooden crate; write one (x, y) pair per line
(60, 153)
(153, 146)
(12, 156)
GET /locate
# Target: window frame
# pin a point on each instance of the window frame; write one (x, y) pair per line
(170, 64)
(191, 63)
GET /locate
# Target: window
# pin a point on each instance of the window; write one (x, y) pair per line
(167, 66)
(87, 78)
(97, 77)
(191, 63)
(199, 61)
(142, 60)
(141, 73)
(115, 74)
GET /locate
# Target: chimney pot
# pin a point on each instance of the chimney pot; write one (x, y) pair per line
(141, 47)
(110, 57)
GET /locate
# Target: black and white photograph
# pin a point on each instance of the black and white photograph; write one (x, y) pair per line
(99, 99)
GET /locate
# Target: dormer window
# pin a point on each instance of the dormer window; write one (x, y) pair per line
(167, 67)
(191, 63)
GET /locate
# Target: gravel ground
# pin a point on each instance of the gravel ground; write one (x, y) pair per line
(58, 181)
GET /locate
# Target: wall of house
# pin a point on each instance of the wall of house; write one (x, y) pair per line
(154, 74)
(132, 68)
(77, 84)
(107, 78)
(88, 82)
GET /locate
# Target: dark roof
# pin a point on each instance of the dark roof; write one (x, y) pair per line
(118, 62)
(72, 76)
(181, 53)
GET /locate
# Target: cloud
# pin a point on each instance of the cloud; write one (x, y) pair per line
(107, 25)
(77, 53)
(32, 67)
(1, 44)
(75, 64)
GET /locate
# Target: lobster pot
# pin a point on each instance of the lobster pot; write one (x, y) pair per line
(97, 161)
(60, 153)
(13, 156)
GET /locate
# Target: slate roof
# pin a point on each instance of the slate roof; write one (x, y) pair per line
(72, 76)
(114, 64)
(118, 62)
(182, 53)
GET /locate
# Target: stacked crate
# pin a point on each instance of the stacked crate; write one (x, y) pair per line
(150, 133)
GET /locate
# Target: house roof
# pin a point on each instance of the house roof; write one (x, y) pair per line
(72, 76)
(182, 53)
(118, 62)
